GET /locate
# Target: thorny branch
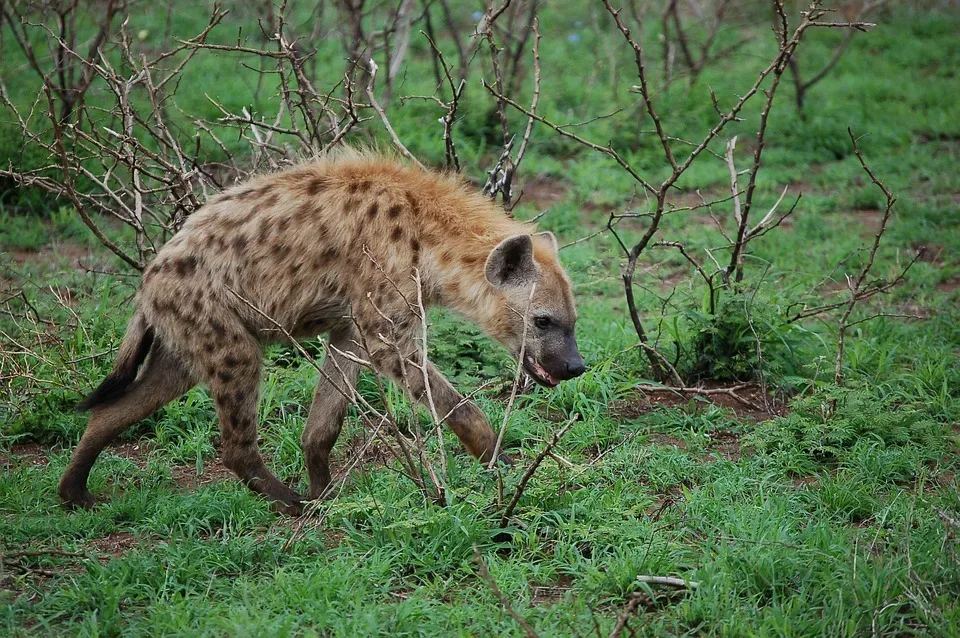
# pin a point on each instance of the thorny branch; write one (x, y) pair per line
(856, 285)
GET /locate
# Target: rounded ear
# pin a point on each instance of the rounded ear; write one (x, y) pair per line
(548, 238)
(510, 263)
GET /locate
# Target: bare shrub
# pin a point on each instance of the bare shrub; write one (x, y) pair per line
(724, 270)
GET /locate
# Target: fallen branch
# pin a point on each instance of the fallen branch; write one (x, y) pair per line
(680, 391)
(668, 580)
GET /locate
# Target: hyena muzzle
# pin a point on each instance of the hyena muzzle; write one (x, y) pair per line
(333, 246)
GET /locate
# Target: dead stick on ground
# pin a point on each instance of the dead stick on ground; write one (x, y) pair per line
(668, 580)
(730, 392)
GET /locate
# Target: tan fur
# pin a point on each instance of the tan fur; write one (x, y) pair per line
(329, 246)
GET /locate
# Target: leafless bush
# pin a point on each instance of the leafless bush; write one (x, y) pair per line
(855, 11)
(136, 160)
(677, 20)
(724, 269)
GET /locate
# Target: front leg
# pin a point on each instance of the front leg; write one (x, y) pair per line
(466, 420)
(462, 416)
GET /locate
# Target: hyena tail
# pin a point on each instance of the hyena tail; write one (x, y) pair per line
(134, 349)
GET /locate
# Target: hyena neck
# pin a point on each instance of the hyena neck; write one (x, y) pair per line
(460, 283)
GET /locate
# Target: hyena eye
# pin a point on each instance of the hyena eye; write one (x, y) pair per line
(542, 322)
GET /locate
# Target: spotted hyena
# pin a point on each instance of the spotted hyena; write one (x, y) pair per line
(331, 246)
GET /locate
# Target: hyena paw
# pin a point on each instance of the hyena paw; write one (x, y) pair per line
(73, 500)
(288, 508)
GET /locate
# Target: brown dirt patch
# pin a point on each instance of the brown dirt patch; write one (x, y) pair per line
(543, 191)
(24, 454)
(807, 481)
(726, 444)
(867, 221)
(186, 477)
(56, 253)
(950, 285)
(750, 406)
(929, 253)
(667, 440)
(664, 501)
(551, 593)
(113, 544)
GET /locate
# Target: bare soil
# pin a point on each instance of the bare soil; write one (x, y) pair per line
(543, 191)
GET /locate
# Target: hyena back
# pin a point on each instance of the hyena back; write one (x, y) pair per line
(332, 246)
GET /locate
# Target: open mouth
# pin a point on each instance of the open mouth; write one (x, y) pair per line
(536, 371)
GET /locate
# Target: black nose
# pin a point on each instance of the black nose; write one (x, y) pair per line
(576, 368)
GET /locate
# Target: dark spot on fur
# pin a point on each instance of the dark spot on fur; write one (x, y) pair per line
(281, 250)
(306, 211)
(225, 376)
(230, 361)
(471, 261)
(246, 193)
(394, 210)
(325, 258)
(317, 185)
(415, 245)
(185, 265)
(396, 234)
(414, 204)
(270, 200)
(217, 326)
(373, 210)
(209, 347)
(239, 243)
(282, 224)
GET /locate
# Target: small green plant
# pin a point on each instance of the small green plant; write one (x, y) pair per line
(827, 429)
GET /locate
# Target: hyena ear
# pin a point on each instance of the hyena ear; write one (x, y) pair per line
(548, 238)
(510, 264)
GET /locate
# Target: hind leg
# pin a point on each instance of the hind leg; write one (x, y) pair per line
(338, 378)
(162, 380)
(234, 381)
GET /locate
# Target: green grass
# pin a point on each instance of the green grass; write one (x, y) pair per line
(828, 520)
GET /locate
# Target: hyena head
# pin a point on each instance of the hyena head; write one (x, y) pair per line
(525, 264)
